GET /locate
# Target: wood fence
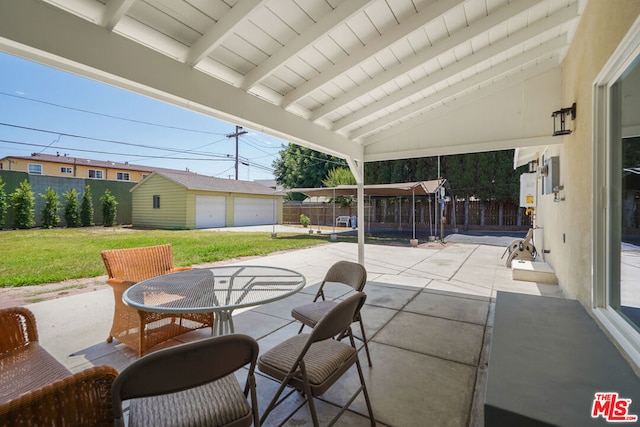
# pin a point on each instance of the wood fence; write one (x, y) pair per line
(398, 211)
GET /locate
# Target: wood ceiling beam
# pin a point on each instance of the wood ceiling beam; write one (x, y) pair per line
(417, 21)
(114, 10)
(440, 47)
(546, 49)
(391, 134)
(210, 40)
(470, 61)
(320, 29)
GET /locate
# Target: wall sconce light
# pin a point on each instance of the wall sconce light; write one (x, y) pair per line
(533, 166)
(560, 120)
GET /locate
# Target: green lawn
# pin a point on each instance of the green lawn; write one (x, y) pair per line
(31, 257)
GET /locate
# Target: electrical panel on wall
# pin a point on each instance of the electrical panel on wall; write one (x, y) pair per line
(550, 175)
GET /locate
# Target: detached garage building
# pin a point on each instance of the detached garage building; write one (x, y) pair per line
(174, 200)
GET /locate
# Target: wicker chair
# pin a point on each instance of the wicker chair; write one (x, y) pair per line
(36, 389)
(125, 268)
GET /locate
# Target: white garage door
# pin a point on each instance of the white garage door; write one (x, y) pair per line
(249, 211)
(211, 211)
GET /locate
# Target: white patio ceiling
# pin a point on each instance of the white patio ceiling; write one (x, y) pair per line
(364, 80)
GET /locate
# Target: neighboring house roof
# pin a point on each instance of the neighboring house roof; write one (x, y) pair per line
(63, 159)
(193, 181)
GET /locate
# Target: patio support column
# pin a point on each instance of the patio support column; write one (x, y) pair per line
(357, 168)
(361, 217)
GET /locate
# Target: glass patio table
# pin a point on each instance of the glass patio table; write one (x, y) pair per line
(216, 289)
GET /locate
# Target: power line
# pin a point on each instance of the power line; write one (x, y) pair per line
(221, 157)
(105, 140)
(224, 172)
(208, 156)
(317, 159)
(260, 149)
(126, 119)
(192, 150)
(216, 157)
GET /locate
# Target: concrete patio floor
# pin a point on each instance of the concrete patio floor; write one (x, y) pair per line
(428, 317)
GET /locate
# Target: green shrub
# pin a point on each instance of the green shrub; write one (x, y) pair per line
(23, 201)
(86, 208)
(109, 208)
(304, 220)
(51, 210)
(4, 204)
(71, 208)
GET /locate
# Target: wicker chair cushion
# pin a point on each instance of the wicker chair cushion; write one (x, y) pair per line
(26, 369)
(212, 404)
(81, 399)
(322, 360)
(310, 314)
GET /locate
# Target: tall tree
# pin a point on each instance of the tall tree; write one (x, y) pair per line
(485, 180)
(340, 176)
(459, 170)
(301, 167)
(377, 172)
(426, 169)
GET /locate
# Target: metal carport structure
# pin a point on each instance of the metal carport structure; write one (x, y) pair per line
(401, 189)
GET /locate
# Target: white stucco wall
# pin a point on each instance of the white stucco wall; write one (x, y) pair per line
(602, 27)
(518, 117)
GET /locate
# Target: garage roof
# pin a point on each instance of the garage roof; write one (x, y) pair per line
(363, 80)
(192, 181)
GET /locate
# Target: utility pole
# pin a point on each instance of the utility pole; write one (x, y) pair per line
(238, 132)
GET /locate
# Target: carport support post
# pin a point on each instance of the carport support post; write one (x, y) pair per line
(413, 241)
(334, 237)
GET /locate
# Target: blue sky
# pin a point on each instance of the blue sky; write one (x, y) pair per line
(45, 110)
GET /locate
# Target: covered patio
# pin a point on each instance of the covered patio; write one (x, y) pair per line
(365, 80)
(428, 315)
(379, 80)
